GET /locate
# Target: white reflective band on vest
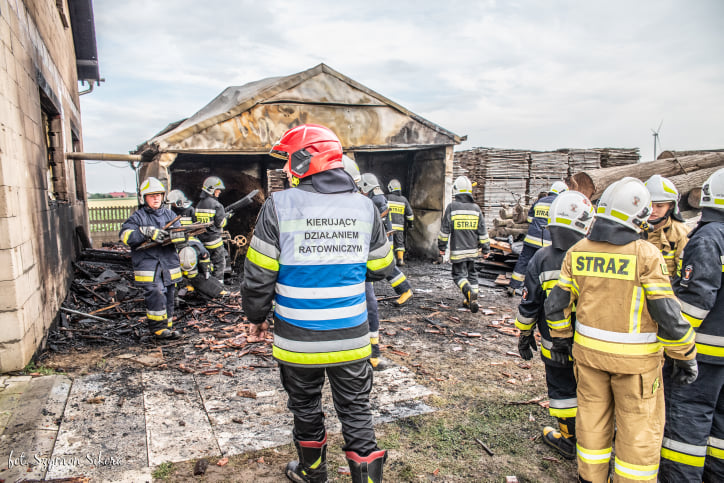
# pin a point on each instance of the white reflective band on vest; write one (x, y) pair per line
(617, 337)
(320, 314)
(321, 346)
(708, 339)
(693, 311)
(464, 212)
(320, 292)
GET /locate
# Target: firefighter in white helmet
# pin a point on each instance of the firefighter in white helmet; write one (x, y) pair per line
(537, 237)
(210, 210)
(693, 446)
(626, 315)
(569, 220)
(463, 229)
(156, 268)
(181, 205)
(401, 216)
(667, 229)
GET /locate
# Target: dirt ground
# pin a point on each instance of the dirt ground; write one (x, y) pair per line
(490, 404)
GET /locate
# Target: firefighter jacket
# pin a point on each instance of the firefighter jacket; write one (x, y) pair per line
(538, 218)
(187, 215)
(145, 262)
(700, 286)
(463, 226)
(670, 239)
(400, 210)
(626, 311)
(313, 248)
(542, 275)
(380, 202)
(208, 210)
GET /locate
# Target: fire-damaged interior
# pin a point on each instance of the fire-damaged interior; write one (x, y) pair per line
(417, 171)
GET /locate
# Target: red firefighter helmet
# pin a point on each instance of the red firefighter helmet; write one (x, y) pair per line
(308, 149)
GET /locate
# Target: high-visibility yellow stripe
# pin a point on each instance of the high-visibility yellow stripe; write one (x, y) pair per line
(533, 241)
(563, 413)
(709, 350)
(686, 339)
(262, 260)
(380, 263)
(634, 321)
(636, 472)
(559, 324)
(522, 325)
(593, 456)
(548, 285)
(155, 317)
(617, 348)
(685, 459)
(125, 235)
(315, 358)
(563, 221)
(692, 320)
(214, 245)
(717, 453)
(176, 275)
(143, 278)
(519, 277)
(398, 280)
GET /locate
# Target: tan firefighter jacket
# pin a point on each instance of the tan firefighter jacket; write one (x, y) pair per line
(626, 311)
(671, 240)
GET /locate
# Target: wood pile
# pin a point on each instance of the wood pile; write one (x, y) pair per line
(511, 221)
(686, 172)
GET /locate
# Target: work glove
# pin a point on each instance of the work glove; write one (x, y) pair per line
(178, 236)
(153, 233)
(684, 372)
(561, 350)
(526, 344)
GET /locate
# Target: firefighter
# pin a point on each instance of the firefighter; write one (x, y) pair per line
(667, 229)
(401, 215)
(537, 237)
(209, 210)
(370, 187)
(179, 204)
(196, 267)
(155, 269)
(312, 250)
(378, 363)
(693, 447)
(626, 313)
(463, 227)
(569, 220)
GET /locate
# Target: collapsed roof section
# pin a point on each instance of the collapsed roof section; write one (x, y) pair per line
(248, 119)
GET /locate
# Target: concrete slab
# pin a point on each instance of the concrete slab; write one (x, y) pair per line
(177, 426)
(103, 434)
(35, 408)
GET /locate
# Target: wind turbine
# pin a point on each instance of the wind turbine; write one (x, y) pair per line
(656, 137)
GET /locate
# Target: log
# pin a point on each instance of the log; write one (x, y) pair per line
(592, 183)
(678, 154)
(694, 198)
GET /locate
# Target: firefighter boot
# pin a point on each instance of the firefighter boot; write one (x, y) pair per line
(404, 297)
(400, 258)
(312, 464)
(162, 329)
(471, 298)
(366, 469)
(563, 441)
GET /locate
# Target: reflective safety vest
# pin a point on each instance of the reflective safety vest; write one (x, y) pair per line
(537, 235)
(320, 306)
(400, 210)
(615, 288)
(463, 227)
(209, 210)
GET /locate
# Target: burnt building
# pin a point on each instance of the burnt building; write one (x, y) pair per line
(232, 135)
(48, 46)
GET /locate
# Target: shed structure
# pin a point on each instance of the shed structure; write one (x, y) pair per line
(232, 135)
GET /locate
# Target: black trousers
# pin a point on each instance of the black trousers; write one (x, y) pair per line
(521, 266)
(464, 269)
(398, 240)
(218, 260)
(351, 385)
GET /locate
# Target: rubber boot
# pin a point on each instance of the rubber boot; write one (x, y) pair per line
(312, 463)
(378, 363)
(563, 441)
(366, 469)
(404, 297)
(162, 329)
(471, 297)
(400, 258)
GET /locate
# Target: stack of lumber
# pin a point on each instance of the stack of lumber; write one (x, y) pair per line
(686, 172)
(511, 221)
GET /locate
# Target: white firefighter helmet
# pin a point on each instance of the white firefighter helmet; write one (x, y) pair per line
(211, 184)
(462, 185)
(626, 202)
(151, 186)
(662, 190)
(712, 191)
(351, 168)
(178, 199)
(571, 210)
(187, 258)
(394, 185)
(558, 187)
(368, 183)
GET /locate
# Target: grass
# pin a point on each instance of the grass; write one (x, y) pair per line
(163, 471)
(39, 369)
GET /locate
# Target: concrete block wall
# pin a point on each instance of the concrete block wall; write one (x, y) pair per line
(37, 235)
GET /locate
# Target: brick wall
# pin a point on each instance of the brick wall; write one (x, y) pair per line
(39, 195)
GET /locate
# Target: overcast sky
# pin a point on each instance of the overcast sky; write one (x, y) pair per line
(508, 74)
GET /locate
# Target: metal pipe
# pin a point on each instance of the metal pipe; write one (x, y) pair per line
(104, 156)
(94, 317)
